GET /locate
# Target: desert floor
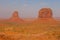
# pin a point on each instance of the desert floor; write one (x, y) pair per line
(29, 31)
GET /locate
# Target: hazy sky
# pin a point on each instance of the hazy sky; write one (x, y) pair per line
(28, 8)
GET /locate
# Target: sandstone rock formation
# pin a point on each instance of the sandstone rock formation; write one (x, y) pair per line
(15, 17)
(45, 13)
(45, 16)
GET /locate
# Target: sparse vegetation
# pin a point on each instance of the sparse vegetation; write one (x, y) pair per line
(32, 29)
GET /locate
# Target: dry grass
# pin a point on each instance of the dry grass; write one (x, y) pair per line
(29, 31)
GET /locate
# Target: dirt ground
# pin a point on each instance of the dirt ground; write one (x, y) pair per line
(36, 30)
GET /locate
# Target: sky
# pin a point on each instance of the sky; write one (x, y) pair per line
(28, 8)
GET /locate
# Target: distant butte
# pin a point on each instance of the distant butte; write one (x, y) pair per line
(15, 17)
(45, 13)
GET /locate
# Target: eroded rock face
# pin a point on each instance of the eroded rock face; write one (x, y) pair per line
(15, 14)
(15, 17)
(45, 13)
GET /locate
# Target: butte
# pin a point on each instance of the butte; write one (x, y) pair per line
(45, 15)
(15, 18)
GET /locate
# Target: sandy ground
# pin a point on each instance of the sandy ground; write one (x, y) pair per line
(32, 30)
